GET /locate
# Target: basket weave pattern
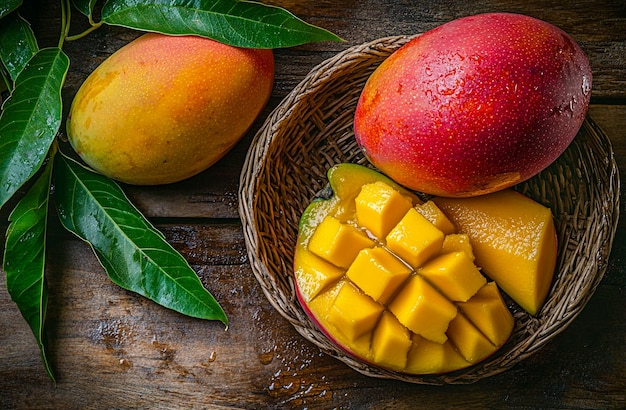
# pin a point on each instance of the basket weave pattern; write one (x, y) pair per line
(311, 130)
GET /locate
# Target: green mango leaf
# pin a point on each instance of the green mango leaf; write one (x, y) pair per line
(25, 258)
(17, 44)
(85, 6)
(134, 254)
(7, 6)
(30, 119)
(237, 23)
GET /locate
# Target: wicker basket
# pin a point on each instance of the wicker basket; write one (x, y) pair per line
(311, 130)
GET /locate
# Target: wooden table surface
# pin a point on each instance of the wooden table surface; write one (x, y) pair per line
(113, 349)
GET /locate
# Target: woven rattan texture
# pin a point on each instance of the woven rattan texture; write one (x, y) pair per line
(311, 130)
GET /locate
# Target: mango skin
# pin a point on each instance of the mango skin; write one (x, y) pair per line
(475, 105)
(162, 108)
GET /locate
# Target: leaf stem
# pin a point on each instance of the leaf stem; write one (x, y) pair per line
(6, 83)
(66, 15)
(84, 33)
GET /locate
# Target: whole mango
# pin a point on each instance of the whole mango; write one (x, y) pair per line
(164, 108)
(475, 105)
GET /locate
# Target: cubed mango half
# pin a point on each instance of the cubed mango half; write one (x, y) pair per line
(394, 283)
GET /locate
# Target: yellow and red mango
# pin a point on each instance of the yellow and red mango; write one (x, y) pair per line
(475, 105)
(164, 108)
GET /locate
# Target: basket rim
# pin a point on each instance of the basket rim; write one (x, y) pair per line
(249, 185)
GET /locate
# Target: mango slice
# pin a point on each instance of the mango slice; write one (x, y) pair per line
(514, 242)
(393, 281)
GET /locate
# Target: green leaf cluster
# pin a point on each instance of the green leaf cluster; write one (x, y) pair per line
(37, 176)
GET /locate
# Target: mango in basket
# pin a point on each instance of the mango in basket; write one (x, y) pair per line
(475, 105)
(164, 108)
(389, 279)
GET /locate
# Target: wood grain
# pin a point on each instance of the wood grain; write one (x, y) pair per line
(113, 349)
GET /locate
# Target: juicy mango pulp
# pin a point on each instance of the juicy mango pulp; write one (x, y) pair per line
(514, 239)
(387, 278)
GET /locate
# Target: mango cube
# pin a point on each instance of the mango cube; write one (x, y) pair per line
(378, 273)
(458, 242)
(314, 274)
(469, 341)
(487, 311)
(354, 313)
(431, 211)
(423, 310)
(426, 357)
(323, 303)
(455, 275)
(337, 242)
(379, 207)
(391, 342)
(415, 239)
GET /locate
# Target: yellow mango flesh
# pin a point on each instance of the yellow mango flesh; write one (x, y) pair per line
(378, 273)
(382, 308)
(164, 108)
(317, 274)
(457, 242)
(391, 343)
(488, 312)
(423, 310)
(455, 275)
(415, 248)
(514, 242)
(338, 243)
(379, 207)
(431, 211)
(354, 313)
(426, 357)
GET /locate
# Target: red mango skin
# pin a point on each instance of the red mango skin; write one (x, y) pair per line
(474, 106)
